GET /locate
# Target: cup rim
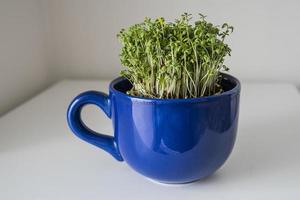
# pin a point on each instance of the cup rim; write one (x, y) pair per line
(235, 90)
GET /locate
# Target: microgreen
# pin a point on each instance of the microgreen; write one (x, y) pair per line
(174, 60)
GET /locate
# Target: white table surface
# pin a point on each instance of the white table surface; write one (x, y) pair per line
(41, 159)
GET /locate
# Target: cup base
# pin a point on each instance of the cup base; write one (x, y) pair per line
(172, 184)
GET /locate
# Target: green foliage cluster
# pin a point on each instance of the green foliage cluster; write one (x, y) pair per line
(174, 60)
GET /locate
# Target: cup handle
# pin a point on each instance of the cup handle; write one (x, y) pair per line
(102, 100)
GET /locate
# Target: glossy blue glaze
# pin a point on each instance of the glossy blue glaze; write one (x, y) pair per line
(168, 140)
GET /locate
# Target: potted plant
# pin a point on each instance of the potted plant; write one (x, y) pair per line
(174, 111)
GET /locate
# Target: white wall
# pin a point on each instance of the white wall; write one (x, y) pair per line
(46, 40)
(265, 42)
(23, 69)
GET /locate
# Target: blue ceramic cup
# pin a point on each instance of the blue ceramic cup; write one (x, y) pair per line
(167, 140)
